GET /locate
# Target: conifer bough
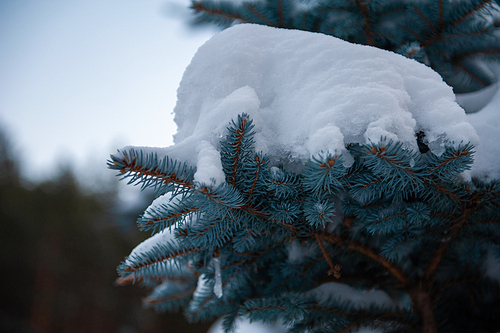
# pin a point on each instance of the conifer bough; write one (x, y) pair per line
(405, 224)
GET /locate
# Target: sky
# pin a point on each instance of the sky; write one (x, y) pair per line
(80, 79)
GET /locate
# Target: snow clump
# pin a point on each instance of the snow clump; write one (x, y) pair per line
(306, 93)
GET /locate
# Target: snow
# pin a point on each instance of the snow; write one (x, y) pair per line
(358, 298)
(487, 124)
(209, 164)
(297, 252)
(245, 326)
(200, 286)
(162, 200)
(492, 266)
(159, 238)
(307, 93)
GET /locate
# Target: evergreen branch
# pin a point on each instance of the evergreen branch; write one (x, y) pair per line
(443, 246)
(254, 211)
(441, 214)
(386, 218)
(456, 155)
(481, 52)
(223, 196)
(255, 256)
(148, 170)
(304, 22)
(422, 16)
(281, 20)
(201, 232)
(366, 22)
(163, 258)
(368, 252)
(486, 221)
(287, 226)
(131, 279)
(384, 35)
(332, 8)
(470, 12)
(199, 6)
(334, 269)
(316, 307)
(349, 327)
(459, 282)
(256, 176)
(262, 308)
(375, 181)
(441, 17)
(381, 152)
(465, 35)
(414, 33)
(471, 74)
(316, 25)
(200, 307)
(236, 149)
(240, 134)
(359, 316)
(484, 238)
(174, 297)
(259, 15)
(146, 224)
(442, 189)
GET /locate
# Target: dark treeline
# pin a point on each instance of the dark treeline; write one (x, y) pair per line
(59, 249)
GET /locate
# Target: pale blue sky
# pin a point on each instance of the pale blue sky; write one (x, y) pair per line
(79, 79)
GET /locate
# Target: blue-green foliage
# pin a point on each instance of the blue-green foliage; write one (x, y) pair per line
(395, 220)
(453, 37)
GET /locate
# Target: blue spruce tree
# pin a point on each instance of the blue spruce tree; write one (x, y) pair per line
(401, 222)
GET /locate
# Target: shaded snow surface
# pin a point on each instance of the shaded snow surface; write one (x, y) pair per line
(487, 124)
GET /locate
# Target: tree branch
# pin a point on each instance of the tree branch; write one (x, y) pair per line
(334, 269)
(368, 252)
(443, 246)
(199, 6)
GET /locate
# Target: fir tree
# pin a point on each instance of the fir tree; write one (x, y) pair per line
(270, 241)
(455, 38)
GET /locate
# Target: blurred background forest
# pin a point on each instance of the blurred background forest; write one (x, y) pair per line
(60, 245)
(79, 79)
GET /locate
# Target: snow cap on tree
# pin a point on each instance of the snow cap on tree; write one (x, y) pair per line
(308, 92)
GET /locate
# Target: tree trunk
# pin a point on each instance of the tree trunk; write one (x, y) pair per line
(423, 306)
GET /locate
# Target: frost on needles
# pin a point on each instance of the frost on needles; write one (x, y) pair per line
(318, 184)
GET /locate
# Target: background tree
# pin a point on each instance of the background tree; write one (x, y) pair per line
(59, 246)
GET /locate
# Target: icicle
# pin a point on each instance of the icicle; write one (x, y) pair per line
(218, 278)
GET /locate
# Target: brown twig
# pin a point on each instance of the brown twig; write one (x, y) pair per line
(366, 22)
(199, 6)
(370, 253)
(334, 269)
